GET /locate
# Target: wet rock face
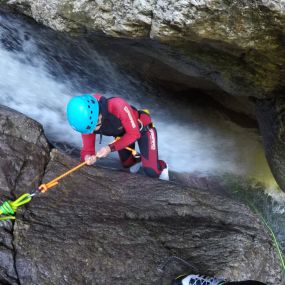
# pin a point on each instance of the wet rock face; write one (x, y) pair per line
(270, 114)
(101, 227)
(237, 45)
(24, 152)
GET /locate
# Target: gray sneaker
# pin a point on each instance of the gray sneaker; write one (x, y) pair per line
(197, 280)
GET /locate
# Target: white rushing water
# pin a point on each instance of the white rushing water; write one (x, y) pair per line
(190, 139)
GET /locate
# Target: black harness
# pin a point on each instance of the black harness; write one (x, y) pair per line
(111, 125)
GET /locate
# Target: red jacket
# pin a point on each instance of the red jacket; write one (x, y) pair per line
(118, 119)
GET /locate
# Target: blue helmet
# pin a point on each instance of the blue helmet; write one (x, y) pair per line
(82, 113)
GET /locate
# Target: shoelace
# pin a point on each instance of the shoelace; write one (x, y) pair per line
(204, 280)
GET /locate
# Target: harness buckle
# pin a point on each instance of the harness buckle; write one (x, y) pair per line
(140, 125)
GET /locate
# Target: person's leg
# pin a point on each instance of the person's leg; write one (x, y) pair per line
(126, 157)
(151, 165)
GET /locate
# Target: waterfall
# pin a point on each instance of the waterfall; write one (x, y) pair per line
(41, 70)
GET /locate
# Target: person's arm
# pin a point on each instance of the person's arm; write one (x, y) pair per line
(88, 146)
(132, 133)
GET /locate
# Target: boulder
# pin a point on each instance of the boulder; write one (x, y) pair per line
(235, 45)
(24, 152)
(100, 226)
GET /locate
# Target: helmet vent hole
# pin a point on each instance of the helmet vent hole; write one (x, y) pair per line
(92, 101)
(89, 106)
(90, 117)
(91, 112)
(92, 123)
(88, 128)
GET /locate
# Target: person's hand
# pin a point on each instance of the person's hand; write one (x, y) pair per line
(90, 159)
(103, 152)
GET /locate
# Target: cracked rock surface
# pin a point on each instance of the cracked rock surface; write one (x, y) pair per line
(237, 45)
(24, 152)
(100, 226)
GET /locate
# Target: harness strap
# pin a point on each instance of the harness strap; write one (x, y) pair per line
(144, 129)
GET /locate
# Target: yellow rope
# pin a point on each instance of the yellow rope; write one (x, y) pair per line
(54, 182)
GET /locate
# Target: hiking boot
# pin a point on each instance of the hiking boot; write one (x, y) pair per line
(197, 280)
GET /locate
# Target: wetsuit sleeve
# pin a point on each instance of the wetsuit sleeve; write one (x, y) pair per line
(132, 133)
(88, 145)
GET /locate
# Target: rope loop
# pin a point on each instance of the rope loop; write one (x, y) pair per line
(6, 208)
(10, 207)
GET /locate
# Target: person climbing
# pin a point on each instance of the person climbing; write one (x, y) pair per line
(92, 114)
(206, 280)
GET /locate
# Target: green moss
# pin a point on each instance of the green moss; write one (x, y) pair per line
(241, 48)
(247, 71)
(84, 20)
(77, 21)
